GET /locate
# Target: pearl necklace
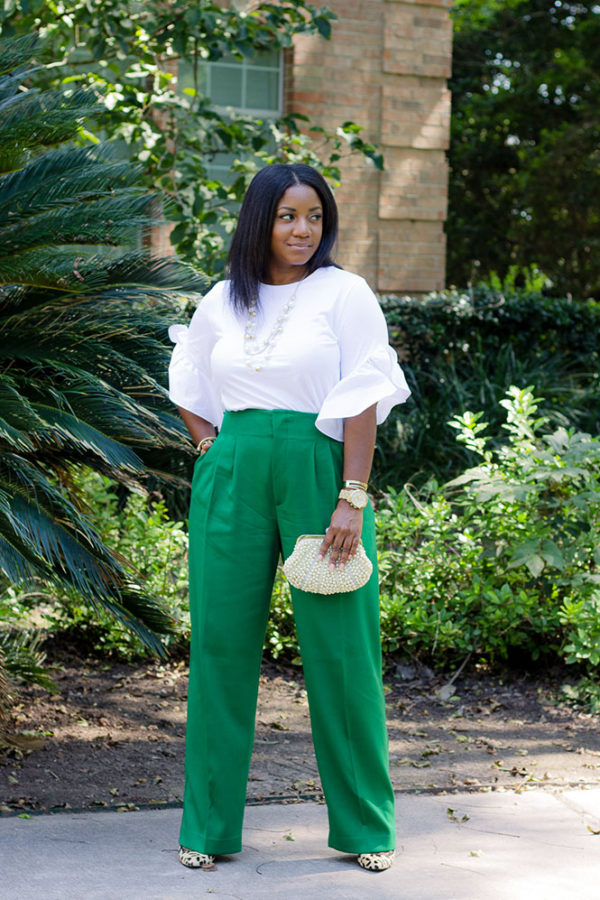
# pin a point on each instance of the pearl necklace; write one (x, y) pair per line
(253, 348)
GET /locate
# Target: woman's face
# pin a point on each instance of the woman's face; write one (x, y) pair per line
(297, 232)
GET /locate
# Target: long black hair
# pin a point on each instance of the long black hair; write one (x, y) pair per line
(249, 256)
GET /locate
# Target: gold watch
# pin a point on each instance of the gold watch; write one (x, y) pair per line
(356, 497)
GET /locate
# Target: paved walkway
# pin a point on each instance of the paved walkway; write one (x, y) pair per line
(499, 846)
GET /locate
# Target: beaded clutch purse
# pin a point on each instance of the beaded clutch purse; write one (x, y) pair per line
(303, 569)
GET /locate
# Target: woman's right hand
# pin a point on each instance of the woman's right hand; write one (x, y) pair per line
(199, 429)
(205, 444)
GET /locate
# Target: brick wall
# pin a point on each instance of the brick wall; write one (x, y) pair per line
(386, 69)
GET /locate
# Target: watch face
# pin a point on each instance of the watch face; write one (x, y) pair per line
(359, 499)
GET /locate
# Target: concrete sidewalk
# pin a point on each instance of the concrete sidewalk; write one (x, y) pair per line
(530, 846)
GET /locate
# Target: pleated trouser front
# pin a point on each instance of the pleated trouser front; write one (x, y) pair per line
(269, 477)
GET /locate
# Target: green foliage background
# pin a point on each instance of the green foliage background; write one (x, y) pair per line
(464, 349)
(525, 144)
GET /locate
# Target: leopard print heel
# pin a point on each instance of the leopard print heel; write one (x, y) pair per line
(194, 860)
(376, 862)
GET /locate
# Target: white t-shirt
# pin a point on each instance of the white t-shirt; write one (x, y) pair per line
(332, 356)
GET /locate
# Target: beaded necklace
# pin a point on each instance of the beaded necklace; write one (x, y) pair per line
(253, 349)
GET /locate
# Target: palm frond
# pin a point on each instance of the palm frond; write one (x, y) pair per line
(64, 430)
(109, 220)
(17, 53)
(37, 120)
(17, 418)
(55, 543)
(64, 270)
(83, 345)
(27, 478)
(7, 696)
(61, 177)
(15, 561)
(66, 560)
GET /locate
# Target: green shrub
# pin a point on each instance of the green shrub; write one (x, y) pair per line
(21, 653)
(281, 640)
(462, 350)
(504, 559)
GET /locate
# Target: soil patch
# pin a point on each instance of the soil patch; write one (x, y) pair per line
(113, 737)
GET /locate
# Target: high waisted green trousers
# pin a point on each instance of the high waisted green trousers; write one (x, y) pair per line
(270, 477)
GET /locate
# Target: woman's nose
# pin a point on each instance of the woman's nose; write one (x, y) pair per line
(300, 226)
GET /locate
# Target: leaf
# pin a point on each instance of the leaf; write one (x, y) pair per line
(528, 553)
(323, 26)
(535, 564)
(552, 554)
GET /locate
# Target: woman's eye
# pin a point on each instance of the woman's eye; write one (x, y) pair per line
(316, 217)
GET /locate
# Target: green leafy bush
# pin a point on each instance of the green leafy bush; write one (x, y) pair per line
(281, 640)
(21, 654)
(462, 350)
(503, 561)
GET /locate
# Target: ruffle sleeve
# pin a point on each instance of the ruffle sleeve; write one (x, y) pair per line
(369, 370)
(190, 385)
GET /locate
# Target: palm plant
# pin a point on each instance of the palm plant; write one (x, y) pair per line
(83, 347)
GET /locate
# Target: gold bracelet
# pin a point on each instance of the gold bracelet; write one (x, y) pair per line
(352, 483)
(204, 442)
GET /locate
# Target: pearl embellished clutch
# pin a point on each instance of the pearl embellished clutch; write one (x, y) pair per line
(303, 569)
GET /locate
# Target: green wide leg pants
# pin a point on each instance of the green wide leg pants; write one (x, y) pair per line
(269, 477)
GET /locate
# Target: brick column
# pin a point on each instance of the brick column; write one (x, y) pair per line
(386, 69)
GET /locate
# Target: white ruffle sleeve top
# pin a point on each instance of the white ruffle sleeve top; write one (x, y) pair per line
(332, 356)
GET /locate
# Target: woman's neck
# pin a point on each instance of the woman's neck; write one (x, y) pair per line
(286, 276)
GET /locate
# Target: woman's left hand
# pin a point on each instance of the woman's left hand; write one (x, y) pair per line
(343, 534)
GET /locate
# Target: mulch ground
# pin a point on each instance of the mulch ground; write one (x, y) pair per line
(113, 737)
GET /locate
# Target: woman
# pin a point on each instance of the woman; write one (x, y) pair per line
(289, 359)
